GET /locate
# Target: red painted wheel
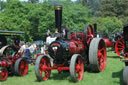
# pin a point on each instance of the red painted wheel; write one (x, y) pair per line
(97, 54)
(21, 67)
(41, 65)
(89, 34)
(125, 75)
(76, 67)
(119, 47)
(3, 74)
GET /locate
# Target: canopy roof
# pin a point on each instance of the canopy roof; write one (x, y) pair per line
(10, 33)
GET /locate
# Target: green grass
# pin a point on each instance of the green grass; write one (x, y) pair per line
(111, 76)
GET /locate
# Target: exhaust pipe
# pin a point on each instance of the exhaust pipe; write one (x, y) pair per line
(58, 17)
(95, 29)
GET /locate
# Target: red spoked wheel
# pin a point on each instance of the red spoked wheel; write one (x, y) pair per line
(76, 68)
(21, 67)
(41, 65)
(119, 46)
(97, 54)
(89, 34)
(3, 74)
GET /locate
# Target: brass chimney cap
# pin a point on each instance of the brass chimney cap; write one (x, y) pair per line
(58, 7)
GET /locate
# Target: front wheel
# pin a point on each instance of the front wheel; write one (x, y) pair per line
(76, 68)
(41, 65)
(3, 74)
(21, 67)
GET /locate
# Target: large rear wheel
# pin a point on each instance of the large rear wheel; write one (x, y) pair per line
(41, 65)
(76, 68)
(97, 54)
(119, 46)
(88, 33)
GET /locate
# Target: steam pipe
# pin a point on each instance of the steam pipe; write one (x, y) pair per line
(95, 29)
(58, 17)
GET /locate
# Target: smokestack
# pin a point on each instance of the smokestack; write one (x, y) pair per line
(95, 29)
(58, 17)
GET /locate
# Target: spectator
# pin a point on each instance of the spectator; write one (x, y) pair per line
(65, 31)
(47, 34)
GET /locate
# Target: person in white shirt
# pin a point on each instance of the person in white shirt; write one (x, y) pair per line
(28, 52)
(22, 48)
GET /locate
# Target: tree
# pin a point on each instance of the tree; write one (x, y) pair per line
(109, 25)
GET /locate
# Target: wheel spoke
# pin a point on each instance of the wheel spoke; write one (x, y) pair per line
(23, 68)
(89, 33)
(44, 73)
(3, 74)
(120, 43)
(121, 46)
(100, 50)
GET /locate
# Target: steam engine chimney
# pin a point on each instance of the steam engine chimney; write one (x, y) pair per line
(58, 17)
(95, 29)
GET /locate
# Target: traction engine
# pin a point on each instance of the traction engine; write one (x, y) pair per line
(72, 54)
(10, 59)
(116, 42)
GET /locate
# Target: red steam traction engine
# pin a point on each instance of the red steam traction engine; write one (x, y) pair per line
(116, 42)
(10, 59)
(124, 54)
(72, 53)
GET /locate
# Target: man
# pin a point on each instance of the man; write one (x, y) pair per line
(28, 52)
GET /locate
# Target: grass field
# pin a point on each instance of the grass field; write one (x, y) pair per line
(111, 76)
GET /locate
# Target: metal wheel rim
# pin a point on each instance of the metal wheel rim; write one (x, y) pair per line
(79, 68)
(119, 47)
(3, 74)
(45, 62)
(101, 56)
(23, 67)
(89, 33)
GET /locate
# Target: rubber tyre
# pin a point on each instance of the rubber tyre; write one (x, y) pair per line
(125, 75)
(37, 67)
(73, 68)
(17, 67)
(93, 54)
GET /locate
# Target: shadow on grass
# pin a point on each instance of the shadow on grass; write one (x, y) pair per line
(118, 75)
(91, 69)
(60, 75)
(12, 74)
(113, 57)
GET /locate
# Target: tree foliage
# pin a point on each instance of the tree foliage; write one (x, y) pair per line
(36, 18)
(114, 8)
(109, 25)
